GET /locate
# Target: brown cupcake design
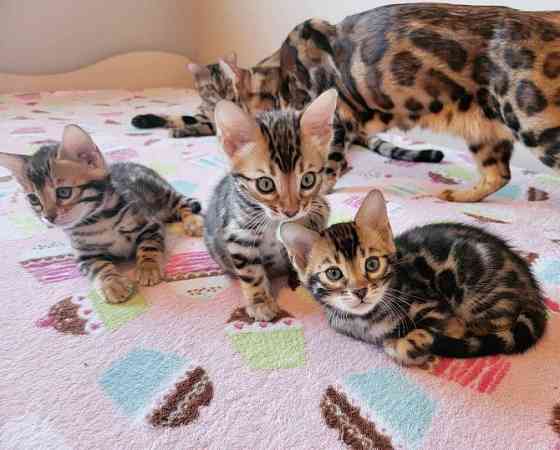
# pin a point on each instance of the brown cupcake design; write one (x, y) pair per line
(71, 316)
(354, 430)
(181, 405)
(537, 195)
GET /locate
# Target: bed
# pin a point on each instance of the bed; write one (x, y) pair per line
(181, 366)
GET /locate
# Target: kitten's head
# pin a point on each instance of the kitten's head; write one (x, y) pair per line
(348, 266)
(278, 159)
(63, 182)
(254, 90)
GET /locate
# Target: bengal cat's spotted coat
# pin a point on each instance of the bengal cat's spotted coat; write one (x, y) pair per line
(488, 74)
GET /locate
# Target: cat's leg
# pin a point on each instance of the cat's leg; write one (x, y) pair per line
(493, 160)
(188, 210)
(411, 350)
(249, 268)
(415, 347)
(115, 287)
(149, 255)
(336, 163)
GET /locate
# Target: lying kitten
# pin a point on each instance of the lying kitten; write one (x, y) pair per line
(443, 289)
(277, 166)
(108, 212)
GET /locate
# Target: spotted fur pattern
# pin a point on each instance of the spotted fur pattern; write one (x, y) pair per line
(109, 213)
(488, 74)
(445, 289)
(242, 219)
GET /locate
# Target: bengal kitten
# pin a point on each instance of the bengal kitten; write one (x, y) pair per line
(109, 212)
(444, 289)
(485, 73)
(277, 168)
(262, 88)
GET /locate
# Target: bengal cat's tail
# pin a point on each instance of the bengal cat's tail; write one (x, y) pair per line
(528, 329)
(392, 151)
(182, 126)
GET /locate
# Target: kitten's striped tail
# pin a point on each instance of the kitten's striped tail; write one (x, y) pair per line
(182, 126)
(392, 151)
(528, 329)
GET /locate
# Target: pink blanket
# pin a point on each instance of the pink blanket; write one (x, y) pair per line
(180, 366)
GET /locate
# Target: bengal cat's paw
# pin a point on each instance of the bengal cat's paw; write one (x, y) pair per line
(411, 350)
(193, 225)
(467, 196)
(264, 312)
(148, 273)
(117, 289)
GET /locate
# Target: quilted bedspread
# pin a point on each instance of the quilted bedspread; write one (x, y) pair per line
(180, 366)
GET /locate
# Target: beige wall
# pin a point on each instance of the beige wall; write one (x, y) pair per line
(53, 36)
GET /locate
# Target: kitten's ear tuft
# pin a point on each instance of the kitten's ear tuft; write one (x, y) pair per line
(235, 129)
(230, 70)
(78, 146)
(373, 215)
(317, 119)
(231, 58)
(14, 163)
(299, 242)
(197, 69)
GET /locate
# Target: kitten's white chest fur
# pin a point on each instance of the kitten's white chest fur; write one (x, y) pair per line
(272, 251)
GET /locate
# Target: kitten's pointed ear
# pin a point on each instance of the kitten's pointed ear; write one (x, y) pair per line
(78, 146)
(373, 215)
(299, 242)
(197, 69)
(230, 70)
(235, 129)
(15, 164)
(317, 119)
(231, 58)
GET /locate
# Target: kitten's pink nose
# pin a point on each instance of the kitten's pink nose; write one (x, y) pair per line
(360, 293)
(291, 212)
(51, 217)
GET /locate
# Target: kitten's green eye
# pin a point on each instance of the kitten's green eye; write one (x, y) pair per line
(265, 185)
(308, 180)
(63, 193)
(334, 273)
(33, 199)
(372, 264)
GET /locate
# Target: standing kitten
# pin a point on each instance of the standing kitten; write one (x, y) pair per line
(108, 212)
(444, 289)
(277, 168)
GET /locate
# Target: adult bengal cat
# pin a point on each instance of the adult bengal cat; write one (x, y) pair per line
(488, 74)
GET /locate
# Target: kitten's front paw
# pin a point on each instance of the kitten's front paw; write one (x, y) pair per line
(264, 312)
(117, 289)
(193, 225)
(148, 273)
(411, 350)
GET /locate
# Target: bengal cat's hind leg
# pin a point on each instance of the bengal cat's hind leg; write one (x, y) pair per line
(493, 163)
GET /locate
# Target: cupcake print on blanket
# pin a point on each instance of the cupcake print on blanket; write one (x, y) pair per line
(378, 409)
(164, 389)
(90, 314)
(50, 262)
(267, 345)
